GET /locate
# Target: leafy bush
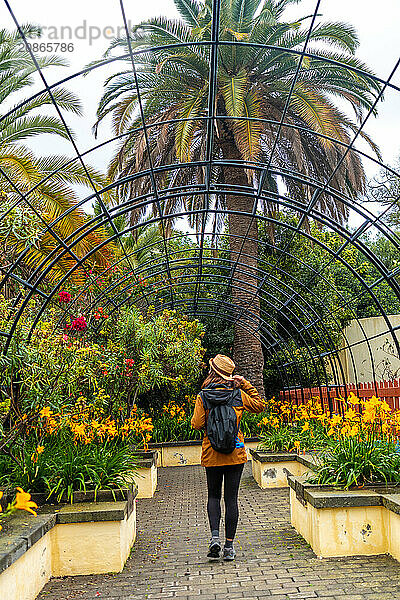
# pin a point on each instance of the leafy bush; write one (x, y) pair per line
(114, 363)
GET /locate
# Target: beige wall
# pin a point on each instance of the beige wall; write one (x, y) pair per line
(24, 579)
(386, 365)
(273, 474)
(93, 547)
(347, 531)
(69, 549)
(146, 481)
(182, 456)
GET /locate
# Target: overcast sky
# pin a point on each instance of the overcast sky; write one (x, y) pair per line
(378, 25)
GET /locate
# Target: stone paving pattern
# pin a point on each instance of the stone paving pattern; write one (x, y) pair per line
(273, 561)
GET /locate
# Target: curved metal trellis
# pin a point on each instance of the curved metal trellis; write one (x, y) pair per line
(295, 334)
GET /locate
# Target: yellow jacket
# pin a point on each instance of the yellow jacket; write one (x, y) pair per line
(252, 402)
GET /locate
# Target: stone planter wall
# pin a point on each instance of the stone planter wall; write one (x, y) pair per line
(346, 523)
(78, 539)
(145, 476)
(270, 469)
(184, 453)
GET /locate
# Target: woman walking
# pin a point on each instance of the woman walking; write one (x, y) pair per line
(221, 392)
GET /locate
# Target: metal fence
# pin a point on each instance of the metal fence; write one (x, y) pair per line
(387, 390)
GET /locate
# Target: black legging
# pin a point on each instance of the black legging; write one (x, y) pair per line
(231, 475)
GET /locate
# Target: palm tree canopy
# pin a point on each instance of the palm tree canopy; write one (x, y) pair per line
(37, 191)
(257, 60)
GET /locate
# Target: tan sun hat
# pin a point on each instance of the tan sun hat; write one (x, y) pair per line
(223, 365)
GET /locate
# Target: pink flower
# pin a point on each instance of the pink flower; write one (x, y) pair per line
(78, 324)
(64, 297)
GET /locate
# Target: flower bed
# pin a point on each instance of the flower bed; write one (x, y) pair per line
(349, 502)
(80, 539)
(59, 453)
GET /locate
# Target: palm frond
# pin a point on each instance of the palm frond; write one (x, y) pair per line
(189, 10)
(248, 131)
(233, 90)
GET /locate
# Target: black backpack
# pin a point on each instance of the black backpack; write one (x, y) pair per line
(222, 426)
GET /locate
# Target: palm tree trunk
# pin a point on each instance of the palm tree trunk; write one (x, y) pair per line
(247, 353)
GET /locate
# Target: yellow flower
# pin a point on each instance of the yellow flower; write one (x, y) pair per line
(80, 429)
(39, 449)
(45, 412)
(335, 420)
(350, 414)
(1, 495)
(369, 415)
(297, 446)
(353, 431)
(305, 427)
(345, 429)
(23, 502)
(352, 399)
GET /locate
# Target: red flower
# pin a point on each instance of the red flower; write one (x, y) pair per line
(129, 362)
(78, 324)
(64, 297)
(100, 314)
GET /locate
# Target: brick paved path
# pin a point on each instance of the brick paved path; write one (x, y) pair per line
(168, 559)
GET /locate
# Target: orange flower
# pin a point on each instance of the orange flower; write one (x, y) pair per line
(45, 412)
(352, 399)
(23, 502)
(350, 414)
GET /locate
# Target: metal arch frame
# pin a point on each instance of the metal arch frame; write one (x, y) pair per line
(97, 218)
(325, 336)
(285, 201)
(309, 236)
(303, 349)
(178, 267)
(107, 216)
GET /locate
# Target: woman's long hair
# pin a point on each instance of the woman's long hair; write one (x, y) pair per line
(213, 377)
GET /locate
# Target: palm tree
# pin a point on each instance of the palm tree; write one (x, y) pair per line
(253, 85)
(23, 222)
